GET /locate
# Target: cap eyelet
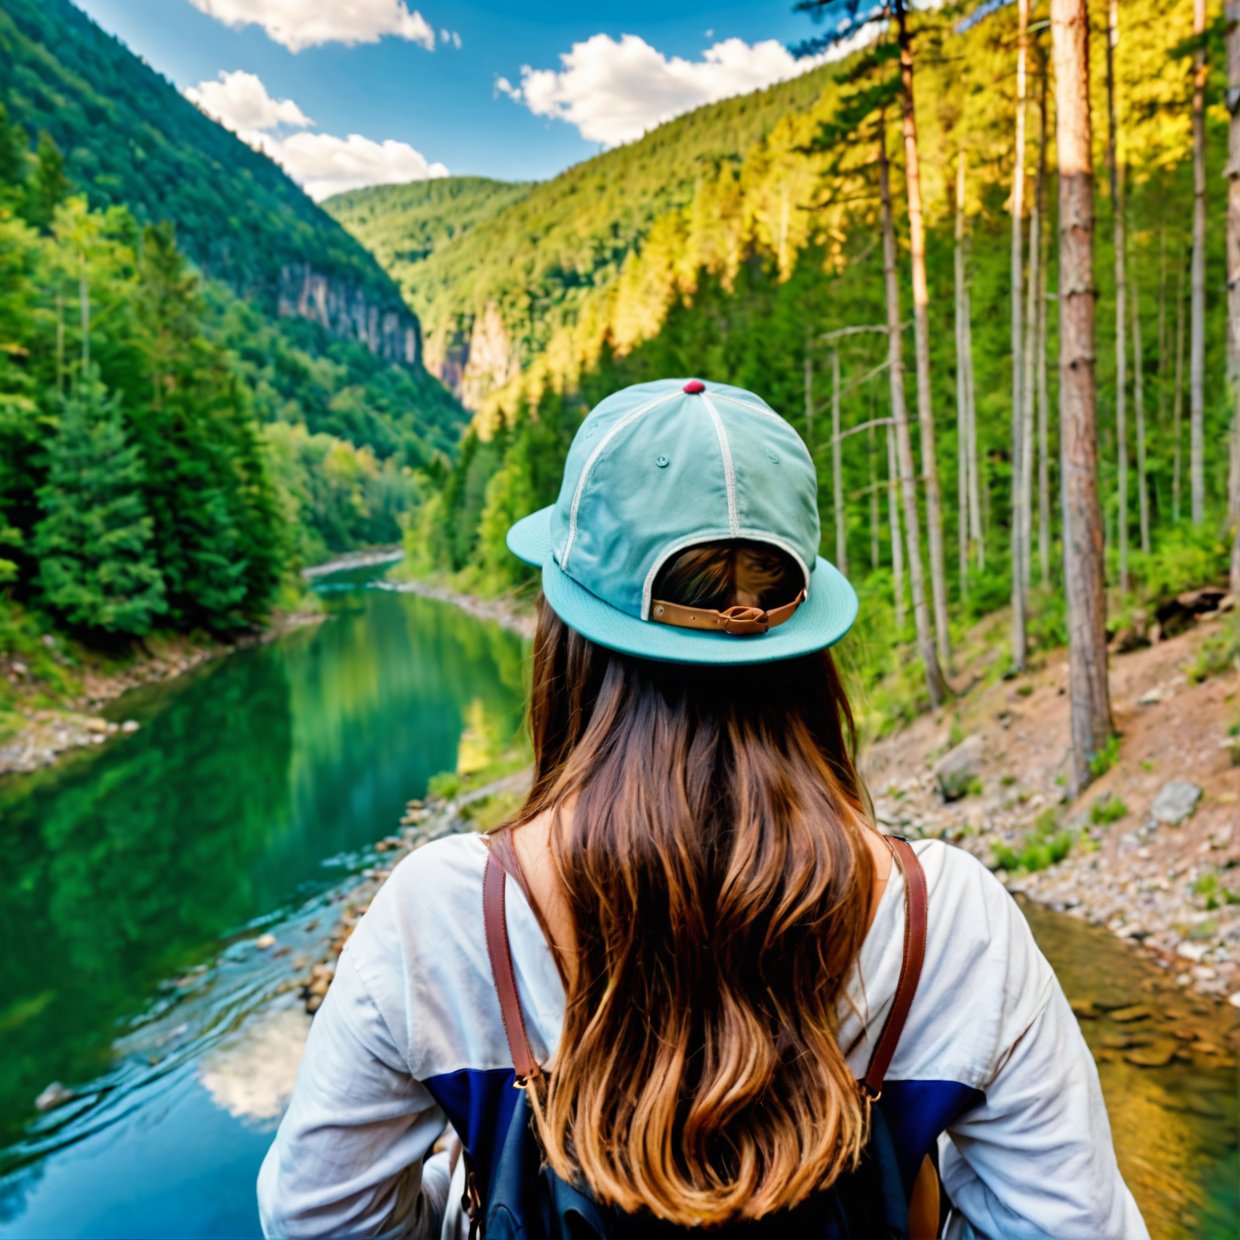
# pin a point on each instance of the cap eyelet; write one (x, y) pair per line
(662, 462)
(772, 457)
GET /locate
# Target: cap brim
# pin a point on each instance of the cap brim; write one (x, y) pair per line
(826, 615)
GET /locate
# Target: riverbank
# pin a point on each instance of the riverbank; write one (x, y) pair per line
(510, 611)
(53, 725)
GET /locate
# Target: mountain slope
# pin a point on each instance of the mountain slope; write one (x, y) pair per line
(491, 299)
(404, 225)
(128, 136)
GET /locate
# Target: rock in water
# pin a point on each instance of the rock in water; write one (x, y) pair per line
(1157, 1055)
(957, 769)
(55, 1095)
(1175, 802)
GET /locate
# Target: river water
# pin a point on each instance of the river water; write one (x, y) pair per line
(139, 875)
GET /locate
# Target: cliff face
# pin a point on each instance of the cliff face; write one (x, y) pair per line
(475, 358)
(345, 309)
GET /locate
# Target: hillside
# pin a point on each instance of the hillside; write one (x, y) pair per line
(129, 137)
(493, 298)
(405, 225)
(314, 329)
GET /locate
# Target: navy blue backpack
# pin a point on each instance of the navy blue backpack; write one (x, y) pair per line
(526, 1200)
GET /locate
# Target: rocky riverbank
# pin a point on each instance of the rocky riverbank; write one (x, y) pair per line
(49, 732)
(1151, 850)
(510, 611)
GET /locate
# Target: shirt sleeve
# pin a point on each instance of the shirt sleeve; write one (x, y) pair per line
(348, 1157)
(1035, 1160)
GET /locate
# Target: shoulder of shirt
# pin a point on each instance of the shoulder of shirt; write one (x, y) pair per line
(984, 979)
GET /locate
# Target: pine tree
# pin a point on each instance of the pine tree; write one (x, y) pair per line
(94, 543)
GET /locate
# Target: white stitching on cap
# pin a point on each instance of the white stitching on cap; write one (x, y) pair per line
(729, 474)
(627, 420)
(744, 404)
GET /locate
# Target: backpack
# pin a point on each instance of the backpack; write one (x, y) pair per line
(526, 1200)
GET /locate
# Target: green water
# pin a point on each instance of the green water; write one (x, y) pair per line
(126, 866)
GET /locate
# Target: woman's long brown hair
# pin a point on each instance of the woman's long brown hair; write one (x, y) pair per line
(707, 834)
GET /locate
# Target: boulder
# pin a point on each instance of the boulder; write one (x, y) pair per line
(956, 770)
(1175, 802)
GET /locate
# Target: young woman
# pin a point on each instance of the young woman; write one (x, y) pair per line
(708, 933)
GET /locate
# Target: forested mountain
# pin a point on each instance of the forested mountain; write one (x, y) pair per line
(404, 225)
(732, 243)
(204, 380)
(492, 299)
(130, 138)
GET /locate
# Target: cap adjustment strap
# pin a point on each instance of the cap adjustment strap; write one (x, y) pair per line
(739, 621)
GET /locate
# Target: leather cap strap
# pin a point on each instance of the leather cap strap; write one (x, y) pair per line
(494, 883)
(916, 903)
(739, 621)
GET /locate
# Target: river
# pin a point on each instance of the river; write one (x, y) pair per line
(139, 877)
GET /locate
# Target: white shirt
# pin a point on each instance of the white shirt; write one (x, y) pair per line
(991, 1064)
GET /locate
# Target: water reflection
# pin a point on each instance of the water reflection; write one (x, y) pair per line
(130, 864)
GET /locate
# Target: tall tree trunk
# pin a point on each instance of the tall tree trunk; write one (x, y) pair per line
(963, 515)
(1197, 345)
(1020, 501)
(893, 513)
(1177, 400)
(977, 483)
(809, 396)
(837, 467)
(1083, 551)
(1233, 279)
(1162, 323)
(921, 339)
(1138, 400)
(1044, 468)
(1116, 175)
(875, 550)
(935, 683)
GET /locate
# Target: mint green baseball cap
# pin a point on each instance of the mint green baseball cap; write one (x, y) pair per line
(663, 466)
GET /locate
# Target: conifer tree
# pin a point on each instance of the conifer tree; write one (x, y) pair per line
(94, 542)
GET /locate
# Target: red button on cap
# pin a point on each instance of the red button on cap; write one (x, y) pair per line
(694, 386)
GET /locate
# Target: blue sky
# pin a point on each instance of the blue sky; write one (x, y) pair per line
(303, 101)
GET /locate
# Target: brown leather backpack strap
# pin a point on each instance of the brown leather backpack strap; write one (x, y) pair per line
(916, 903)
(494, 883)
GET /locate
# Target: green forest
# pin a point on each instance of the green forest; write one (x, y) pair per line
(742, 243)
(176, 440)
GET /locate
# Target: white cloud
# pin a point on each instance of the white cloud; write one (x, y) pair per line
(240, 102)
(324, 164)
(614, 90)
(305, 23)
(321, 163)
(450, 36)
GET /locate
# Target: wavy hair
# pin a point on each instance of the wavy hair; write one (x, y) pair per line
(707, 832)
